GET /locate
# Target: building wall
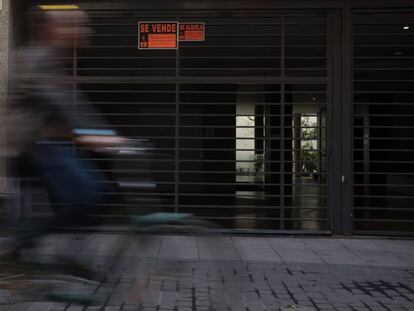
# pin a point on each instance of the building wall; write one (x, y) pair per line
(4, 51)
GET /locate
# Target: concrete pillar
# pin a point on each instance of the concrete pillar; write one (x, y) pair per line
(4, 61)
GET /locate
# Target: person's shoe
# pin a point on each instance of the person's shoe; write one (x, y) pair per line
(67, 297)
(76, 269)
(153, 219)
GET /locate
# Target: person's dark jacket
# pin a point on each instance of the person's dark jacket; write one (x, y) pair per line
(43, 102)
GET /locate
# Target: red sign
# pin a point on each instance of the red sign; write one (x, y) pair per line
(158, 35)
(192, 32)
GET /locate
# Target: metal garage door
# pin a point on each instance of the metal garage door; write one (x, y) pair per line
(249, 123)
(383, 122)
(240, 120)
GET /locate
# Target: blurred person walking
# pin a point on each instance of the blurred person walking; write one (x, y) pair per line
(43, 125)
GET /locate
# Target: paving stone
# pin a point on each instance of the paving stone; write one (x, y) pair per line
(287, 243)
(179, 253)
(215, 242)
(250, 243)
(340, 275)
(295, 308)
(219, 254)
(300, 256)
(323, 244)
(259, 254)
(340, 257)
(380, 259)
(179, 241)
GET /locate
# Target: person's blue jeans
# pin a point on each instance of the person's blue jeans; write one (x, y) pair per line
(73, 185)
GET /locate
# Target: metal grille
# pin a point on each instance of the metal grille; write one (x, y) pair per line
(239, 121)
(383, 122)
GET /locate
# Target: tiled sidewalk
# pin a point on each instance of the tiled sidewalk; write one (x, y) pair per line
(331, 251)
(248, 273)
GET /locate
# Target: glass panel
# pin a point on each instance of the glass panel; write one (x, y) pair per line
(307, 149)
(222, 149)
(237, 152)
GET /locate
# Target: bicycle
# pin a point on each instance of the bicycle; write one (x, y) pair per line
(70, 282)
(45, 281)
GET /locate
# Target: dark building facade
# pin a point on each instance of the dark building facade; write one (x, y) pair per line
(290, 117)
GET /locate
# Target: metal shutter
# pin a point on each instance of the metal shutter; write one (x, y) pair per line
(222, 113)
(383, 122)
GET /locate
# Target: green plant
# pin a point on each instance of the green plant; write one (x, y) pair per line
(308, 154)
(258, 163)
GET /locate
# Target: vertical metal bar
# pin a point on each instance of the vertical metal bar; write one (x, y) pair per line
(177, 131)
(282, 125)
(347, 120)
(282, 157)
(334, 123)
(74, 76)
(282, 47)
